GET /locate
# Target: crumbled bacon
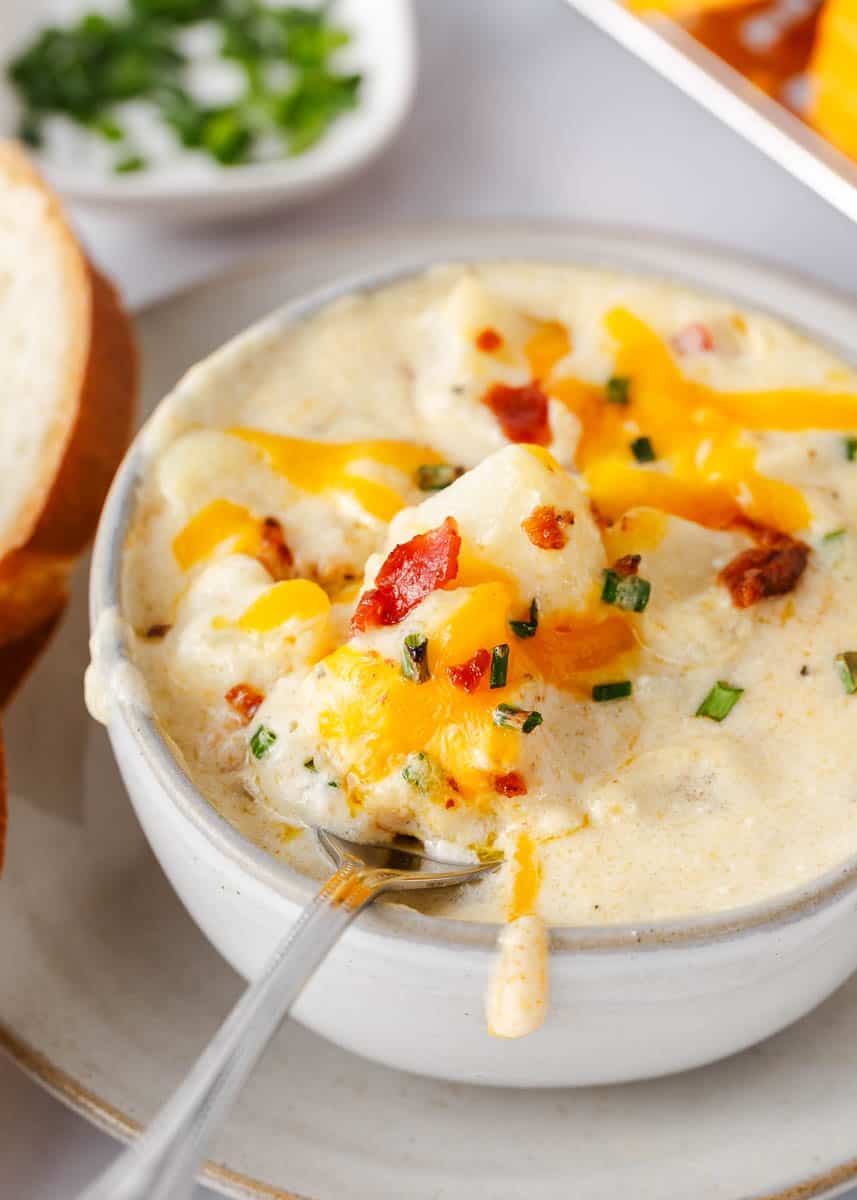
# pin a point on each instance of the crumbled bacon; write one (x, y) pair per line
(510, 784)
(488, 340)
(409, 573)
(693, 339)
(545, 527)
(628, 564)
(468, 675)
(772, 568)
(274, 553)
(245, 700)
(521, 411)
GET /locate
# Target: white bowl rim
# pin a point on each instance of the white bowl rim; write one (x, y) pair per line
(391, 920)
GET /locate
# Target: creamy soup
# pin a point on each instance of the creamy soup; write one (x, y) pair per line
(536, 564)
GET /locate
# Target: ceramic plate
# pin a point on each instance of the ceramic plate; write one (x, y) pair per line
(108, 990)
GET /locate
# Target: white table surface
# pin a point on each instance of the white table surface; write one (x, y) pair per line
(522, 110)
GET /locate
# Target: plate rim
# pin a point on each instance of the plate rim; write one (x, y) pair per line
(60, 1083)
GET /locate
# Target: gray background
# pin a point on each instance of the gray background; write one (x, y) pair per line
(523, 110)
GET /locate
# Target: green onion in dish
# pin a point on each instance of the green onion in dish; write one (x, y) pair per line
(434, 477)
(420, 771)
(643, 450)
(851, 448)
(625, 591)
(415, 658)
(720, 701)
(618, 390)
(835, 535)
(846, 665)
(527, 629)
(262, 741)
(499, 665)
(619, 690)
(289, 92)
(525, 720)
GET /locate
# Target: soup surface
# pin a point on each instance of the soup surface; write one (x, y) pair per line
(531, 562)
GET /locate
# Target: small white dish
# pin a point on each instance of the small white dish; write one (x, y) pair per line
(114, 990)
(626, 1003)
(384, 50)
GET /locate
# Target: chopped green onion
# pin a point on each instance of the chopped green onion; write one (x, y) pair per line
(620, 690)
(835, 535)
(527, 629)
(332, 783)
(643, 450)
(846, 665)
(309, 764)
(126, 166)
(499, 665)
(626, 591)
(851, 448)
(420, 771)
(434, 477)
(415, 658)
(523, 719)
(720, 701)
(262, 741)
(619, 390)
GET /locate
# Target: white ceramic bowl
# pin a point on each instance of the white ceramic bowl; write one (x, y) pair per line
(384, 50)
(405, 989)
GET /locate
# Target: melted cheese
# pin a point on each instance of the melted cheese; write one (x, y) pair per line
(706, 469)
(213, 525)
(335, 467)
(290, 599)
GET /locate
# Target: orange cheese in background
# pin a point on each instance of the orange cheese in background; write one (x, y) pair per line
(833, 72)
(684, 8)
(317, 467)
(211, 527)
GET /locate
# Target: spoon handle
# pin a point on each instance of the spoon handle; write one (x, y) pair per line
(162, 1163)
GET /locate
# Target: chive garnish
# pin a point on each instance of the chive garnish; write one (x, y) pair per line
(419, 771)
(499, 665)
(332, 783)
(523, 719)
(415, 657)
(262, 741)
(620, 690)
(527, 629)
(835, 535)
(643, 450)
(129, 164)
(720, 701)
(434, 477)
(619, 389)
(630, 592)
(309, 764)
(846, 665)
(851, 448)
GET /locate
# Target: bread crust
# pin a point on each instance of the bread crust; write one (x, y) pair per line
(91, 429)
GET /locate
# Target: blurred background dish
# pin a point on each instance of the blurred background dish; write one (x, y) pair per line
(193, 108)
(783, 73)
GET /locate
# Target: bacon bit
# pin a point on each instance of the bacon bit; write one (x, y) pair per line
(409, 573)
(628, 564)
(156, 632)
(521, 411)
(274, 554)
(245, 700)
(770, 569)
(452, 783)
(693, 339)
(488, 340)
(450, 803)
(511, 784)
(544, 527)
(468, 675)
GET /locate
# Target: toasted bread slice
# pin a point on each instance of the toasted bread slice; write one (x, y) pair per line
(68, 393)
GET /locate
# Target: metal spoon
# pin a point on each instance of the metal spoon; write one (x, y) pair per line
(162, 1164)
